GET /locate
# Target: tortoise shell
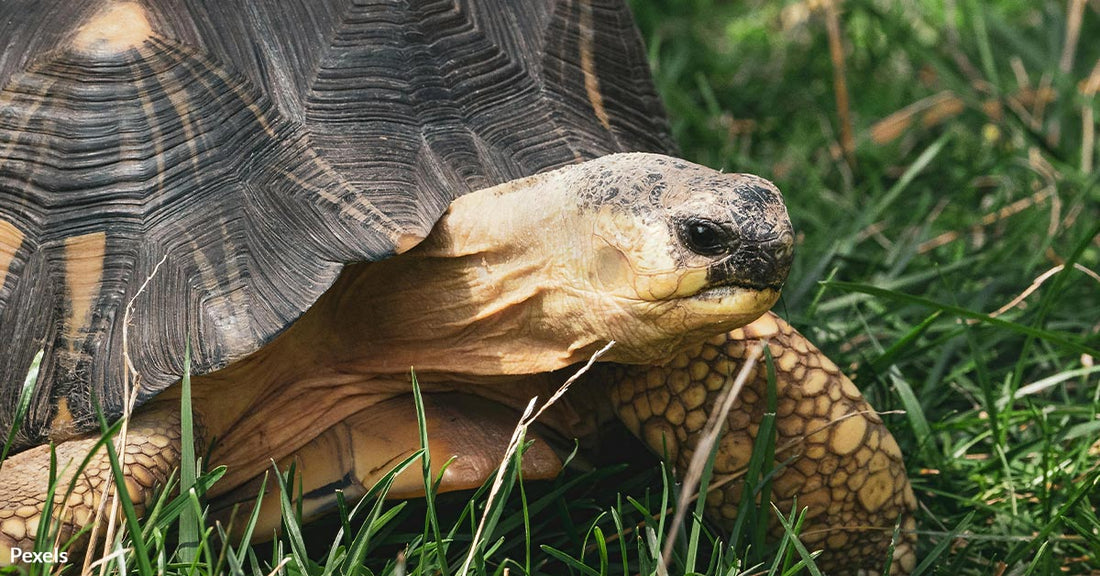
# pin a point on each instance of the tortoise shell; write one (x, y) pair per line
(175, 170)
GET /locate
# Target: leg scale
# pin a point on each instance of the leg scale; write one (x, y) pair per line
(152, 452)
(833, 452)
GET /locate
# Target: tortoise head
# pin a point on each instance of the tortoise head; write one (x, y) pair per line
(681, 252)
(537, 273)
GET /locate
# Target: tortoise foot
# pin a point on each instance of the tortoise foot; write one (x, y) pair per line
(834, 456)
(152, 452)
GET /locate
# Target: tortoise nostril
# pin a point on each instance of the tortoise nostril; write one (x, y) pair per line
(781, 254)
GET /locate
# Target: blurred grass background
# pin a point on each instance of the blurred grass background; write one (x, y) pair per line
(939, 162)
(942, 150)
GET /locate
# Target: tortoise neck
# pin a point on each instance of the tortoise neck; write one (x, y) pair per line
(465, 305)
(470, 300)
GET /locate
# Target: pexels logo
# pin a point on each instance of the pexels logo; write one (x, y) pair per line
(19, 556)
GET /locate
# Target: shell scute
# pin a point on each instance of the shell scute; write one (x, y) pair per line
(205, 171)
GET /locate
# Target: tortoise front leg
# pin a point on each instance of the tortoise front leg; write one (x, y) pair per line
(152, 452)
(467, 438)
(833, 453)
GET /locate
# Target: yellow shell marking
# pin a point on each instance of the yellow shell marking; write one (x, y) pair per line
(10, 241)
(588, 64)
(113, 29)
(83, 276)
(62, 423)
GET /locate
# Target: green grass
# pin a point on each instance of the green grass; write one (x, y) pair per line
(1001, 413)
(907, 245)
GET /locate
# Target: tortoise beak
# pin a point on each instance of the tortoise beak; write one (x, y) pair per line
(760, 257)
(758, 263)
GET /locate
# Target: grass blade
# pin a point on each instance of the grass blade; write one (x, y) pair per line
(431, 520)
(133, 524)
(1047, 335)
(24, 403)
(189, 522)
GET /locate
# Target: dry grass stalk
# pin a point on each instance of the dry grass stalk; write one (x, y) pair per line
(840, 82)
(930, 111)
(1074, 13)
(525, 422)
(1035, 284)
(102, 563)
(1089, 88)
(951, 10)
(987, 220)
(131, 382)
(278, 569)
(707, 440)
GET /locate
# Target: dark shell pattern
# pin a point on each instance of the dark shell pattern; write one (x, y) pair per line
(204, 169)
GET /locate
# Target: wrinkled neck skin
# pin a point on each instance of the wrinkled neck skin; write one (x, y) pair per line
(465, 305)
(492, 291)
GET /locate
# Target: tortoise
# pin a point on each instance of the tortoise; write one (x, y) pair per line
(319, 195)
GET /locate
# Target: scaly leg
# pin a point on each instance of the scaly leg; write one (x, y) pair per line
(152, 452)
(833, 452)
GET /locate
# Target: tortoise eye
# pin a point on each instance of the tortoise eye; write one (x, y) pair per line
(704, 237)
